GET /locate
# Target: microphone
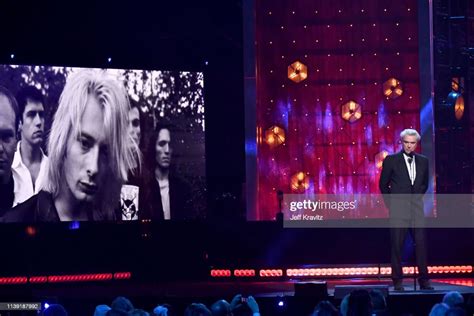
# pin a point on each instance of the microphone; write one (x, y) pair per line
(279, 216)
(280, 199)
(280, 195)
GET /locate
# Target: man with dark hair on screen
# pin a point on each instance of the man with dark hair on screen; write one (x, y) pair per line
(8, 139)
(403, 182)
(168, 195)
(30, 163)
(89, 153)
(131, 193)
(134, 127)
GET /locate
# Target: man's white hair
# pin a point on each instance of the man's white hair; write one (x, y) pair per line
(410, 132)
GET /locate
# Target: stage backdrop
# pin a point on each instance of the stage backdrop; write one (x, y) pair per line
(355, 87)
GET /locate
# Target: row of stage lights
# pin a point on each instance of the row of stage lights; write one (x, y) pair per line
(91, 277)
(247, 273)
(335, 272)
(392, 89)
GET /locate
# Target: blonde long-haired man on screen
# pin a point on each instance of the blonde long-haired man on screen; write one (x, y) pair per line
(89, 153)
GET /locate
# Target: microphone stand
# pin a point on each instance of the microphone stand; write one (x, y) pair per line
(414, 245)
(279, 216)
(412, 224)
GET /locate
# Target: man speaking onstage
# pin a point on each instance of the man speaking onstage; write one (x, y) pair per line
(403, 182)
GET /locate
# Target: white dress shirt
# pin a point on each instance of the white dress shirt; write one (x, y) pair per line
(23, 183)
(411, 167)
(165, 197)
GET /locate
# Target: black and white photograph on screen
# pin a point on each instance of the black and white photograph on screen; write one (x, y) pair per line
(105, 144)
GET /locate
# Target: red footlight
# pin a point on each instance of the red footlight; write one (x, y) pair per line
(80, 277)
(271, 273)
(38, 279)
(385, 271)
(219, 273)
(14, 280)
(122, 275)
(244, 272)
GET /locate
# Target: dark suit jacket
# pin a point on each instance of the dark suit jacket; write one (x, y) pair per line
(180, 199)
(38, 208)
(403, 200)
(7, 196)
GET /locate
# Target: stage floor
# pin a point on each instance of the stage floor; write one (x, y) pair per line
(462, 285)
(228, 288)
(286, 288)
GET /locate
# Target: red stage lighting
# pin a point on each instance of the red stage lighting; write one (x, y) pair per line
(244, 272)
(38, 279)
(14, 280)
(349, 271)
(30, 231)
(80, 277)
(122, 275)
(220, 273)
(271, 273)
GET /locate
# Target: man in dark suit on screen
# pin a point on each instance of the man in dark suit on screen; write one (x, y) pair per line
(9, 120)
(168, 196)
(403, 182)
